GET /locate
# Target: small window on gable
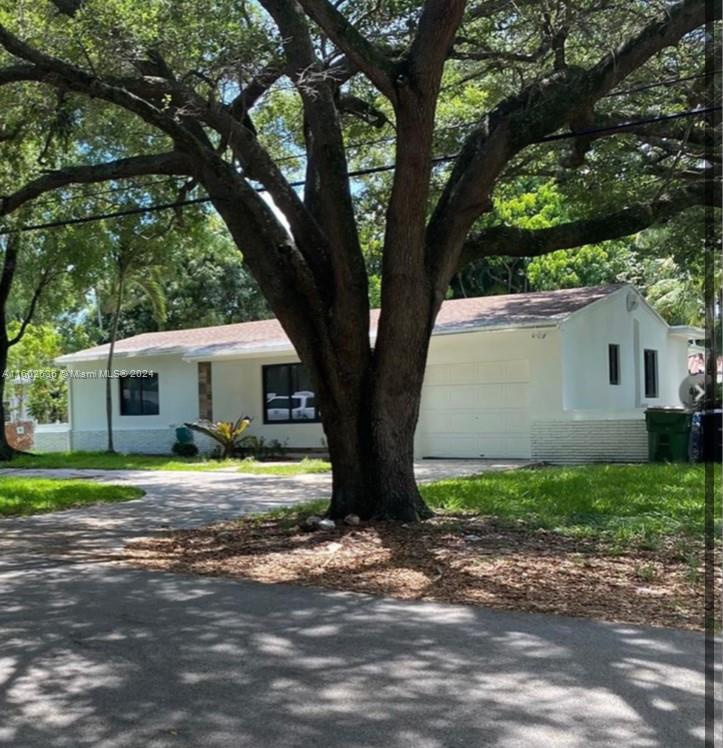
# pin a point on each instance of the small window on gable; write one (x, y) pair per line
(614, 363)
(650, 366)
(139, 395)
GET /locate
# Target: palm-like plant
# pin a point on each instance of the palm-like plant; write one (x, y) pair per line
(226, 433)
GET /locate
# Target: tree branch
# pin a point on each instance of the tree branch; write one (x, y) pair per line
(10, 263)
(516, 242)
(490, 7)
(68, 7)
(670, 129)
(366, 112)
(327, 195)
(438, 25)
(171, 163)
(258, 86)
(481, 55)
(37, 293)
(664, 31)
(18, 74)
(362, 53)
(567, 95)
(60, 74)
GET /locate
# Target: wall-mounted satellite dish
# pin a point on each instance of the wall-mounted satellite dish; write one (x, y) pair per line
(632, 301)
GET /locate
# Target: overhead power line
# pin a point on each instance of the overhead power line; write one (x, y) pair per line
(376, 141)
(658, 84)
(630, 125)
(357, 173)
(134, 187)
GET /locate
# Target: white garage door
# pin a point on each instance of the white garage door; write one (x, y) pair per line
(476, 409)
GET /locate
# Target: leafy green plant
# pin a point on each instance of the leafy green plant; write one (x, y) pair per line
(226, 433)
(258, 448)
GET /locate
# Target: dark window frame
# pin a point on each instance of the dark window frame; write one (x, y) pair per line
(651, 354)
(614, 363)
(143, 403)
(264, 399)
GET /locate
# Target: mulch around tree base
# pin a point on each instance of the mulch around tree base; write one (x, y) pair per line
(452, 558)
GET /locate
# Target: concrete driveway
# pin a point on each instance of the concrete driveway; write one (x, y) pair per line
(178, 499)
(95, 654)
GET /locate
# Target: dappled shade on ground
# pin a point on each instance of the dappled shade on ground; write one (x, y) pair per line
(453, 558)
(614, 542)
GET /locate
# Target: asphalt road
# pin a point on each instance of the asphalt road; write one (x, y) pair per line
(95, 654)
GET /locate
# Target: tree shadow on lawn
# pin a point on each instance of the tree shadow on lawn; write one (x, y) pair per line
(100, 656)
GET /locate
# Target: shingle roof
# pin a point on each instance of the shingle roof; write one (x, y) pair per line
(458, 315)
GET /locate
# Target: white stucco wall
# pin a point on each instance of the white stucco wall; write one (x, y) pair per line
(542, 392)
(585, 339)
(178, 402)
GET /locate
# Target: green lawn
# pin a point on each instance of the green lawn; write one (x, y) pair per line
(105, 461)
(623, 503)
(36, 495)
(627, 505)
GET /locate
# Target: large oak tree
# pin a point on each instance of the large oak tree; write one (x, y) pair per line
(196, 78)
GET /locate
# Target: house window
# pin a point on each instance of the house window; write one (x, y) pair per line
(205, 393)
(288, 395)
(614, 363)
(650, 365)
(139, 395)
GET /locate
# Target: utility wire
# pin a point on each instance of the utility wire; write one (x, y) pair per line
(657, 84)
(140, 184)
(366, 144)
(357, 173)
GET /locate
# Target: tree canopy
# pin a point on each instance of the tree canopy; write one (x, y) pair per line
(335, 140)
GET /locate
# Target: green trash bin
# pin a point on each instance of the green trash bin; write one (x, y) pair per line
(184, 435)
(668, 434)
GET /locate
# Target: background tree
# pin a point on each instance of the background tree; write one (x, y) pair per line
(204, 282)
(134, 250)
(37, 271)
(46, 395)
(464, 96)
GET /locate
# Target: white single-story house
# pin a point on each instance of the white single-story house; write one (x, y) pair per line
(562, 376)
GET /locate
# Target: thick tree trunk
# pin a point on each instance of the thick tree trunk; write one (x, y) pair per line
(372, 463)
(371, 445)
(351, 466)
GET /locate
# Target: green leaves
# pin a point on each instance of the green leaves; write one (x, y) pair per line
(47, 391)
(226, 433)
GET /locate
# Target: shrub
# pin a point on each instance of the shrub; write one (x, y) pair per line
(258, 448)
(185, 449)
(226, 433)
